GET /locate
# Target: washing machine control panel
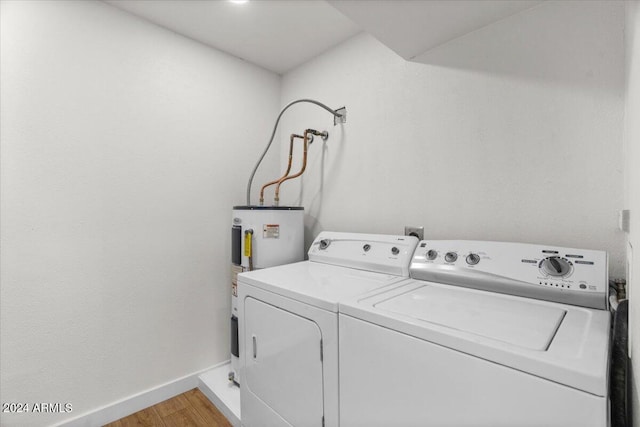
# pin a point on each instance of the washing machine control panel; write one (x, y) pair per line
(567, 275)
(374, 252)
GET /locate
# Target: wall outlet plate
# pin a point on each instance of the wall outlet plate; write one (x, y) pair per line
(624, 218)
(410, 230)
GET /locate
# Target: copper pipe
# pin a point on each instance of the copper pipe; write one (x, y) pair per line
(304, 164)
(293, 136)
(339, 116)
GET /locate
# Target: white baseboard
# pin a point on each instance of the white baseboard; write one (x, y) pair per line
(137, 402)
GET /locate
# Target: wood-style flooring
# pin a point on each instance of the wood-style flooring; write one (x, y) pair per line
(187, 409)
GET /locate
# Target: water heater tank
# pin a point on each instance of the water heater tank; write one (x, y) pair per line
(277, 235)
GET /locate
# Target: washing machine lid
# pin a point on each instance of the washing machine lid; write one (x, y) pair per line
(318, 284)
(561, 343)
(521, 323)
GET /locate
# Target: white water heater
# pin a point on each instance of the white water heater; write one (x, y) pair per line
(261, 237)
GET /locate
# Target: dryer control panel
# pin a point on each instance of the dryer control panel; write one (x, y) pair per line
(566, 275)
(379, 253)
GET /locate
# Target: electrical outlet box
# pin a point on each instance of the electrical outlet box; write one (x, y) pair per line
(418, 232)
(342, 118)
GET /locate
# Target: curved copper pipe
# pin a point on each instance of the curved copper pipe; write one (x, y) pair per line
(304, 164)
(293, 136)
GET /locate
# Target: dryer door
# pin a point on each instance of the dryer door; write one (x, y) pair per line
(283, 367)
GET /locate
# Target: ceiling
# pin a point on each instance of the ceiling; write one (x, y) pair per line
(411, 28)
(279, 35)
(276, 34)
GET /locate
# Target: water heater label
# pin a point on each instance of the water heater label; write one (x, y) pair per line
(271, 231)
(235, 270)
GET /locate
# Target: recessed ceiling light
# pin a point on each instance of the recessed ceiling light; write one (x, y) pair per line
(239, 1)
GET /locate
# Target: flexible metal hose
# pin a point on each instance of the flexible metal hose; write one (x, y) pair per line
(273, 134)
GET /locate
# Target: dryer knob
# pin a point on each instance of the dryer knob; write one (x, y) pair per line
(324, 243)
(451, 257)
(395, 250)
(473, 259)
(432, 254)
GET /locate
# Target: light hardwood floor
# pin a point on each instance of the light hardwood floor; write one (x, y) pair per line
(187, 409)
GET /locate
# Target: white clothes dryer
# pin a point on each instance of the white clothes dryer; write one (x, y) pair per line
(288, 324)
(461, 346)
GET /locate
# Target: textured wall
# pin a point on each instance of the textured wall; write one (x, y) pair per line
(632, 201)
(122, 155)
(513, 133)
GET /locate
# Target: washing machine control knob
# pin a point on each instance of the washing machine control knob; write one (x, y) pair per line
(366, 247)
(395, 250)
(324, 243)
(451, 257)
(432, 254)
(555, 266)
(473, 259)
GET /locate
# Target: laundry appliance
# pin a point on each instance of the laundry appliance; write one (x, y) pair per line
(288, 324)
(484, 334)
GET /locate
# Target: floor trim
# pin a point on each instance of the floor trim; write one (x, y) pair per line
(138, 402)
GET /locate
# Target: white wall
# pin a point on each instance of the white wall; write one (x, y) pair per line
(632, 193)
(513, 133)
(123, 150)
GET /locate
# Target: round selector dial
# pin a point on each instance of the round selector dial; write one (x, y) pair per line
(432, 254)
(395, 250)
(451, 257)
(324, 243)
(473, 259)
(555, 266)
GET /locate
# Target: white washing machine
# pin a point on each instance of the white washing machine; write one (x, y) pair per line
(477, 338)
(288, 323)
